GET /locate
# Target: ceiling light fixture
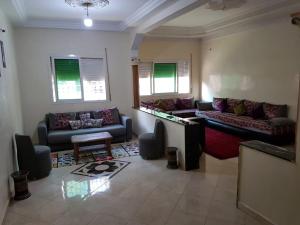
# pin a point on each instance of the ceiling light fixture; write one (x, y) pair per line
(87, 21)
(91, 3)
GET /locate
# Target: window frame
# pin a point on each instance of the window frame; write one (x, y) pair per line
(177, 77)
(54, 87)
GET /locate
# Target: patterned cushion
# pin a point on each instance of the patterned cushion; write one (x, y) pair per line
(165, 104)
(272, 111)
(247, 122)
(91, 123)
(75, 124)
(231, 103)
(148, 104)
(240, 109)
(219, 104)
(204, 106)
(109, 116)
(85, 116)
(60, 121)
(258, 111)
(184, 103)
(78, 114)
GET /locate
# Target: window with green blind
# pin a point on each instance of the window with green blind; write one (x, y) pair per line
(164, 77)
(79, 79)
(67, 79)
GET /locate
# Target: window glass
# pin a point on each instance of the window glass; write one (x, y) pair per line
(67, 79)
(164, 77)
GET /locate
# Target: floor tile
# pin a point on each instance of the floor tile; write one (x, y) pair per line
(144, 193)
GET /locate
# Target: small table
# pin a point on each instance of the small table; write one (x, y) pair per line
(89, 142)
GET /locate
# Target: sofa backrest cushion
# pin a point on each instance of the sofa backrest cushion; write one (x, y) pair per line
(60, 121)
(165, 104)
(273, 111)
(219, 104)
(254, 109)
(231, 103)
(184, 103)
(148, 104)
(109, 116)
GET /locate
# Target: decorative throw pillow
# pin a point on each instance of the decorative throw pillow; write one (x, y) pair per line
(75, 124)
(272, 111)
(231, 103)
(60, 121)
(85, 116)
(204, 106)
(219, 104)
(91, 123)
(258, 111)
(166, 104)
(239, 109)
(109, 116)
(147, 104)
(184, 103)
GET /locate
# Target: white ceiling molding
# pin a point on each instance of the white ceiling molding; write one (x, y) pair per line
(143, 12)
(231, 25)
(174, 10)
(20, 9)
(77, 25)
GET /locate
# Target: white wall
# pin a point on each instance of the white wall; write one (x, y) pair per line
(174, 133)
(35, 46)
(173, 49)
(270, 186)
(10, 112)
(261, 64)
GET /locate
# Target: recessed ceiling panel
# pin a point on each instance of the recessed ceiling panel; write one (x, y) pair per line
(204, 15)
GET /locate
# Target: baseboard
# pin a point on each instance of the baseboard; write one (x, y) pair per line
(3, 212)
(259, 217)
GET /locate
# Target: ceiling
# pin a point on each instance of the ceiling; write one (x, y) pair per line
(202, 16)
(117, 10)
(162, 18)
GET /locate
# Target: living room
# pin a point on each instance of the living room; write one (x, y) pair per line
(245, 50)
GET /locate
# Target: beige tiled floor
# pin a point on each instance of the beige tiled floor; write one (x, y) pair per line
(144, 193)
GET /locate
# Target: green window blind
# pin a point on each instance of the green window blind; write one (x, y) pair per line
(68, 82)
(165, 70)
(67, 70)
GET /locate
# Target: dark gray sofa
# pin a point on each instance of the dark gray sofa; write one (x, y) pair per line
(59, 140)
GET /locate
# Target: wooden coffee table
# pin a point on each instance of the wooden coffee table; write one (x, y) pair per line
(91, 142)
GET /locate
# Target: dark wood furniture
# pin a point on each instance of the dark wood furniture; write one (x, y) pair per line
(90, 142)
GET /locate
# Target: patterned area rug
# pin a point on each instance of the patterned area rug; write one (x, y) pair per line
(65, 158)
(131, 148)
(107, 168)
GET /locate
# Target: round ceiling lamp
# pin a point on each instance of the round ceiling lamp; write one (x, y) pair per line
(90, 3)
(87, 21)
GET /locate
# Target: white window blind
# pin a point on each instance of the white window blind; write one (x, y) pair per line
(183, 76)
(93, 76)
(145, 71)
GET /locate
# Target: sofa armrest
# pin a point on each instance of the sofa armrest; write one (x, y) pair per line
(204, 106)
(42, 133)
(127, 122)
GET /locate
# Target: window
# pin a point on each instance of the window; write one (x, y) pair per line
(79, 79)
(145, 70)
(164, 77)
